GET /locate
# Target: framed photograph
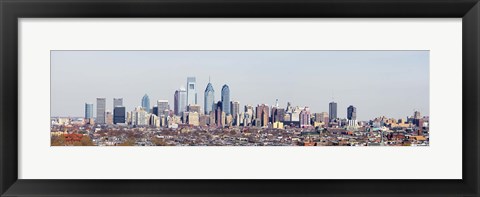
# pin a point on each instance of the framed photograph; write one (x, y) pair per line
(229, 98)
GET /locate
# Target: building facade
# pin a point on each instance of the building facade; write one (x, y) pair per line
(117, 102)
(163, 107)
(180, 101)
(119, 115)
(191, 91)
(226, 99)
(101, 110)
(209, 99)
(146, 103)
(305, 117)
(88, 111)
(351, 113)
(332, 110)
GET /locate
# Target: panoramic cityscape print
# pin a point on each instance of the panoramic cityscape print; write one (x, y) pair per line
(239, 98)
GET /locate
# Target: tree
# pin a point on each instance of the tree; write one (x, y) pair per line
(57, 140)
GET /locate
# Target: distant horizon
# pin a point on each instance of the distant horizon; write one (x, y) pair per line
(377, 83)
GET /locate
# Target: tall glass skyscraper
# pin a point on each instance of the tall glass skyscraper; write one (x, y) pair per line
(88, 111)
(101, 108)
(226, 99)
(191, 91)
(332, 110)
(209, 101)
(351, 112)
(180, 101)
(146, 103)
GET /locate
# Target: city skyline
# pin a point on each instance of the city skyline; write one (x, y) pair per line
(410, 90)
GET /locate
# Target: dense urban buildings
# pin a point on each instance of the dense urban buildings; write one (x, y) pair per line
(228, 123)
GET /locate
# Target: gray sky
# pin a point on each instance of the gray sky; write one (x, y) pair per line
(390, 83)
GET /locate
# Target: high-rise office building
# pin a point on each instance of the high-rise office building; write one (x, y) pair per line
(218, 114)
(180, 101)
(226, 99)
(235, 108)
(209, 100)
(323, 117)
(101, 110)
(119, 115)
(146, 103)
(351, 113)
(278, 114)
(191, 91)
(332, 110)
(263, 114)
(88, 111)
(117, 102)
(305, 117)
(162, 107)
(139, 117)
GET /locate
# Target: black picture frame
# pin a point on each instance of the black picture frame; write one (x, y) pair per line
(11, 10)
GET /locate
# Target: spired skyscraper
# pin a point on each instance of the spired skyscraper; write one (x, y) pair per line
(191, 91)
(226, 99)
(332, 110)
(209, 101)
(146, 103)
(180, 101)
(101, 104)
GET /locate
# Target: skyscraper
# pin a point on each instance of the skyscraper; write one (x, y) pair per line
(117, 102)
(180, 101)
(118, 115)
(209, 101)
(226, 99)
(305, 117)
(323, 117)
(235, 108)
(278, 114)
(351, 113)
(191, 91)
(101, 104)
(146, 103)
(162, 107)
(332, 110)
(88, 111)
(218, 114)
(262, 114)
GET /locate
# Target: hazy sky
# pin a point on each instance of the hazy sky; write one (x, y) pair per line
(390, 83)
